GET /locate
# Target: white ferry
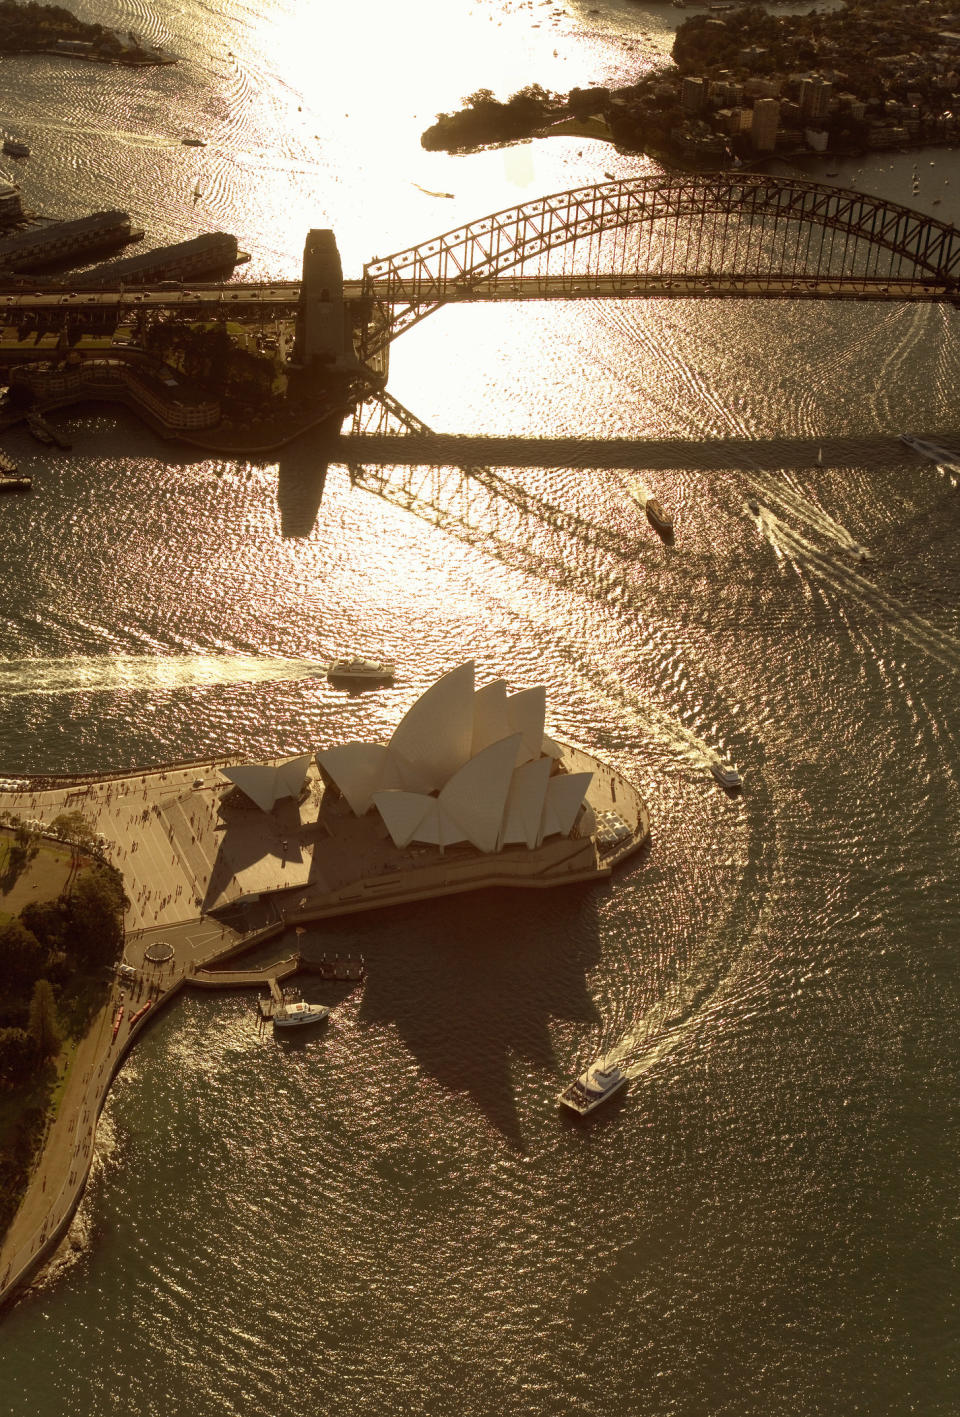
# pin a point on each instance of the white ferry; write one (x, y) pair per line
(368, 671)
(932, 451)
(299, 1014)
(726, 775)
(595, 1086)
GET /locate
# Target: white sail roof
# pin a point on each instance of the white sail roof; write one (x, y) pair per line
(476, 797)
(524, 810)
(526, 711)
(266, 783)
(491, 721)
(402, 813)
(360, 770)
(463, 766)
(433, 739)
(564, 794)
(470, 807)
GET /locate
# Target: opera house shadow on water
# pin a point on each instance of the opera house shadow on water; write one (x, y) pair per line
(472, 984)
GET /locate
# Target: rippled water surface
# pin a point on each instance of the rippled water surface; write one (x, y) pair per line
(391, 1216)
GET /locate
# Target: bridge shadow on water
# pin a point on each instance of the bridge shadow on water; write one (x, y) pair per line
(708, 454)
(472, 1003)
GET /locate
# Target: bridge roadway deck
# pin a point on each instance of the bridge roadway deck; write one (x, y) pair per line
(279, 295)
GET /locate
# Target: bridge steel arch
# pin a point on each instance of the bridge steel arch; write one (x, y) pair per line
(812, 230)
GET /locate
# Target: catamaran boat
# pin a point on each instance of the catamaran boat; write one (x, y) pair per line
(726, 775)
(299, 1014)
(932, 451)
(592, 1088)
(361, 670)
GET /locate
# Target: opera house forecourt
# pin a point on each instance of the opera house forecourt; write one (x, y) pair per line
(219, 857)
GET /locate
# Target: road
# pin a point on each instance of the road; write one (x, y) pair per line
(281, 296)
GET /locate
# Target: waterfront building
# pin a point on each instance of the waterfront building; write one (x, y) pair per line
(153, 392)
(465, 765)
(214, 252)
(40, 246)
(766, 121)
(692, 91)
(815, 95)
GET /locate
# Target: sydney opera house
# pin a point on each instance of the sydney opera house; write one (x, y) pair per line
(469, 791)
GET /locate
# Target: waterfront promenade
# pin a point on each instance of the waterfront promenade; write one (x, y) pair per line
(209, 877)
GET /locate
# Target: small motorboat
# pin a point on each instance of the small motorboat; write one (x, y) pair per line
(727, 775)
(193, 142)
(592, 1088)
(753, 506)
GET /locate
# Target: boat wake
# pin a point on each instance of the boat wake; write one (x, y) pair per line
(159, 674)
(920, 633)
(779, 493)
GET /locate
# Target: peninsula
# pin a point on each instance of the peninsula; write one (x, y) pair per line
(873, 75)
(218, 857)
(50, 29)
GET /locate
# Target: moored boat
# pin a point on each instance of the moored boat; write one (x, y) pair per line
(592, 1088)
(38, 427)
(299, 1014)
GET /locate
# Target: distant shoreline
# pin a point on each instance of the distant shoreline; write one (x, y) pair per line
(126, 60)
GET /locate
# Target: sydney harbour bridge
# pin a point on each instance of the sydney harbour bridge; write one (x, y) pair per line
(713, 236)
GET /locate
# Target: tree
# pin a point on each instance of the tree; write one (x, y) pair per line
(95, 912)
(48, 921)
(44, 1028)
(16, 1055)
(22, 957)
(74, 828)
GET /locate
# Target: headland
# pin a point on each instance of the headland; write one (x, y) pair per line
(745, 84)
(210, 874)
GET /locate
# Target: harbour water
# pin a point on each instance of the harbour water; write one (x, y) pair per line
(392, 1215)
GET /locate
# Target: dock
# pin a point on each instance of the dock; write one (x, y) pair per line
(341, 969)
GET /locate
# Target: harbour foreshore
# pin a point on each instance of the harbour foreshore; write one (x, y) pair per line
(164, 830)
